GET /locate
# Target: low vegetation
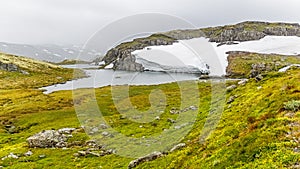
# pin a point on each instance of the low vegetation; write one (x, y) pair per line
(33, 74)
(242, 64)
(256, 129)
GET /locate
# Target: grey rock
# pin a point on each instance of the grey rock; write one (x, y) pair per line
(178, 146)
(230, 88)
(171, 120)
(95, 129)
(146, 158)
(42, 156)
(193, 108)
(12, 155)
(95, 154)
(259, 77)
(76, 154)
(28, 153)
(105, 134)
(10, 67)
(103, 126)
(82, 153)
(243, 82)
(231, 99)
(47, 138)
(66, 130)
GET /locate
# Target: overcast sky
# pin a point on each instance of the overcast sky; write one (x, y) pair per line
(74, 21)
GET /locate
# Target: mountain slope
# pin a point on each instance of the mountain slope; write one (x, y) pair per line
(50, 53)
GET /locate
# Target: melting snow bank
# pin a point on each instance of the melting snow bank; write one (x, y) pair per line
(180, 57)
(200, 55)
(288, 67)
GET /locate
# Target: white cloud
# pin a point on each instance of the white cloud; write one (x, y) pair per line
(74, 21)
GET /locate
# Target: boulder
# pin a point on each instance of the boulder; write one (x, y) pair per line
(47, 138)
(146, 158)
(178, 146)
(230, 88)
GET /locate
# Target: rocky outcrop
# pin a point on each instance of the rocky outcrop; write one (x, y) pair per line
(121, 55)
(283, 31)
(237, 35)
(128, 63)
(9, 67)
(47, 139)
(248, 31)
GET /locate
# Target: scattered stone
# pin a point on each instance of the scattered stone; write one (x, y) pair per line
(259, 77)
(193, 108)
(95, 130)
(82, 153)
(94, 154)
(24, 72)
(61, 144)
(157, 118)
(231, 99)
(230, 88)
(259, 87)
(178, 146)
(243, 82)
(171, 120)
(76, 154)
(296, 150)
(12, 155)
(105, 134)
(42, 156)
(11, 129)
(173, 111)
(181, 126)
(103, 126)
(92, 144)
(146, 158)
(66, 130)
(28, 153)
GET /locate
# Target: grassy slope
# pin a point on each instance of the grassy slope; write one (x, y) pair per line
(240, 62)
(40, 73)
(251, 133)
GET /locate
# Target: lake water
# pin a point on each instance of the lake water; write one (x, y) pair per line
(106, 77)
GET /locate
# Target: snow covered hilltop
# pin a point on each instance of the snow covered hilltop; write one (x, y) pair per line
(133, 56)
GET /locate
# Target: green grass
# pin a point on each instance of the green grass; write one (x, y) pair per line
(240, 64)
(40, 73)
(253, 131)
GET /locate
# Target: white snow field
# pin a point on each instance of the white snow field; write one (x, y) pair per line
(192, 55)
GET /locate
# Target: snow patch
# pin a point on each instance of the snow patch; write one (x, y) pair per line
(198, 52)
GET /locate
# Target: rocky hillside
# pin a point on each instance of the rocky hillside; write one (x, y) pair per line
(122, 59)
(20, 72)
(250, 65)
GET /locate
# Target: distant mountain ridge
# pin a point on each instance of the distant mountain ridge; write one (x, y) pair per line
(49, 53)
